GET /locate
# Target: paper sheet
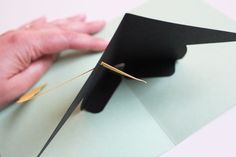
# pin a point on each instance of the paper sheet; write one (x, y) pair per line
(216, 139)
(138, 121)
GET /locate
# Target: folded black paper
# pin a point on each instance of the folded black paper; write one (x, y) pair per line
(147, 48)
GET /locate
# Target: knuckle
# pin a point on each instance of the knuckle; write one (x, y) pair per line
(15, 37)
(70, 36)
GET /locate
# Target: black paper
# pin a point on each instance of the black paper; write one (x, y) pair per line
(148, 48)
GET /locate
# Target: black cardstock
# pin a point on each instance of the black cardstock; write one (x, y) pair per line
(147, 48)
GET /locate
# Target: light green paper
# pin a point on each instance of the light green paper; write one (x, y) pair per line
(203, 85)
(140, 119)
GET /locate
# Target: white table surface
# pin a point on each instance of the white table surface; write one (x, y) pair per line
(217, 139)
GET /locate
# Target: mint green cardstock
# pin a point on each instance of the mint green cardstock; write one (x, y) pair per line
(140, 119)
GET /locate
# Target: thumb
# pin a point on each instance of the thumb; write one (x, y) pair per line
(24, 80)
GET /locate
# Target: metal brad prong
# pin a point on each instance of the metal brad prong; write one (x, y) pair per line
(105, 65)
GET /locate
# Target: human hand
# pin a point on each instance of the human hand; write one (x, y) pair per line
(27, 52)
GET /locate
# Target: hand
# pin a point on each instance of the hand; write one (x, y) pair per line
(27, 52)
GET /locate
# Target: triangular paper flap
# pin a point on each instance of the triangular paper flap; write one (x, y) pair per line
(147, 47)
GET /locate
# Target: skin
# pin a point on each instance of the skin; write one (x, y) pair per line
(26, 53)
